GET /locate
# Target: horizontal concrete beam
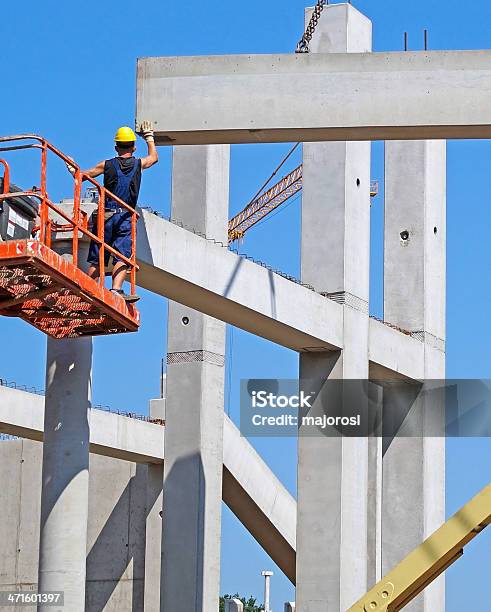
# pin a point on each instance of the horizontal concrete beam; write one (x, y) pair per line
(259, 500)
(112, 435)
(316, 97)
(250, 488)
(242, 293)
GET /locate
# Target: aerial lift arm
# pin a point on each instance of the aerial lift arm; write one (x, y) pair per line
(430, 559)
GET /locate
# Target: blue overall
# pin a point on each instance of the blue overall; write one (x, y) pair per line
(117, 229)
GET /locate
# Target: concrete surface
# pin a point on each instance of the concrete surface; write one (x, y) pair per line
(233, 289)
(65, 475)
(194, 408)
(342, 96)
(333, 472)
(155, 504)
(116, 527)
(415, 300)
(414, 297)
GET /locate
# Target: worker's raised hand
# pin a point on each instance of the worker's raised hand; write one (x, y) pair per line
(71, 169)
(146, 130)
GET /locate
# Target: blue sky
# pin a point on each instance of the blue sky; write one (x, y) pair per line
(69, 74)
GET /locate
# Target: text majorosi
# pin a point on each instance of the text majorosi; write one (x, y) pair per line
(322, 422)
(263, 399)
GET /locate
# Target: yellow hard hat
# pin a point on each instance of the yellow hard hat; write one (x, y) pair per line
(125, 134)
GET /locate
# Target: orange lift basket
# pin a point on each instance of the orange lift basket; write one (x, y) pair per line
(46, 289)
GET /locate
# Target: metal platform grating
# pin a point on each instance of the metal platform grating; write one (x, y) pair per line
(49, 292)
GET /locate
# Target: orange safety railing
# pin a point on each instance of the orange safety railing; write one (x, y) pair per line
(78, 223)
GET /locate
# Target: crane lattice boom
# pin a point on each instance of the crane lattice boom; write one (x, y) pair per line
(267, 202)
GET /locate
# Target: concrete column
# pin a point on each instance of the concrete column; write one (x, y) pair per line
(65, 476)
(194, 402)
(153, 530)
(333, 482)
(65, 472)
(413, 496)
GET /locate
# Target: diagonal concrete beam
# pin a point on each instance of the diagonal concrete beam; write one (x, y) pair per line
(259, 500)
(245, 294)
(316, 97)
(250, 488)
(193, 271)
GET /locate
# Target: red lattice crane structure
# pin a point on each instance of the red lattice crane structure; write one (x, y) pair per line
(270, 200)
(48, 290)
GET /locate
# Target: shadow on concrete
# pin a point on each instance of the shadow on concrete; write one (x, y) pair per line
(233, 276)
(184, 535)
(272, 294)
(399, 418)
(120, 542)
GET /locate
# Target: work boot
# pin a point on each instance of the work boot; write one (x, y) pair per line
(129, 299)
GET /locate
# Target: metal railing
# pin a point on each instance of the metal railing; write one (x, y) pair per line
(13, 385)
(78, 223)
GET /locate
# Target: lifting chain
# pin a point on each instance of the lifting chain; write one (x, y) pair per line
(303, 45)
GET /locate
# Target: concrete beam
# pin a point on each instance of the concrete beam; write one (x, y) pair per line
(341, 96)
(259, 500)
(111, 435)
(233, 289)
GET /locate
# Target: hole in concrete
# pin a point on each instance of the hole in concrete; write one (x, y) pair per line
(185, 320)
(405, 235)
(435, 230)
(358, 182)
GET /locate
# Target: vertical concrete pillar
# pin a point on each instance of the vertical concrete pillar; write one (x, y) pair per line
(194, 402)
(413, 495)
(65, 472)
(65, 476)
(333, 483)
(153, 528)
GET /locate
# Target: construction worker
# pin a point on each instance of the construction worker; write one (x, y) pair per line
(122, 177)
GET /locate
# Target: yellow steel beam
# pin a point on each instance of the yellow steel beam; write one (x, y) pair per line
(430, 559)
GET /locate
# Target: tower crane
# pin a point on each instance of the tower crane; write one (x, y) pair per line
(268, 201)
